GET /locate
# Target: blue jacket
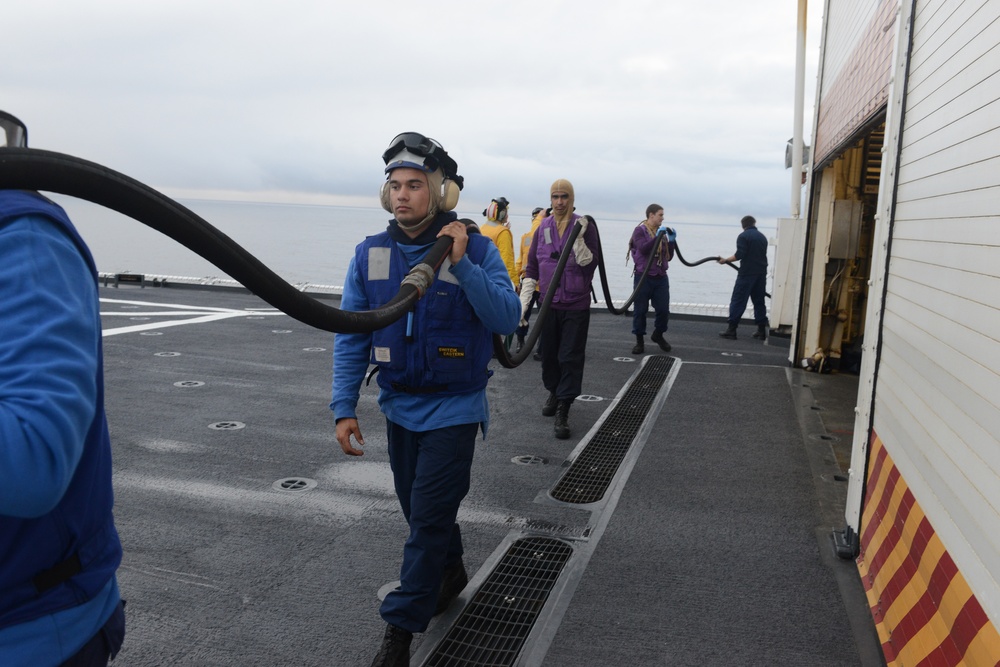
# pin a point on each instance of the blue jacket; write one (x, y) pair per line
(485, 288)
(58, 544)
(751, 250)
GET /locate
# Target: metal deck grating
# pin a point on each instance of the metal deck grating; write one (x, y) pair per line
(494, 626)
(588, 477)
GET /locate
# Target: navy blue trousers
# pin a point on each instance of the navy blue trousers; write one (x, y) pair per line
(753, 288)
(431, 472)
(656, 291)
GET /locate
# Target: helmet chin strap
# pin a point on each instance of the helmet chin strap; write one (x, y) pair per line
(418, 227)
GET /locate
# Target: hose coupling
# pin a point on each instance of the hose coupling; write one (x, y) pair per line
(420, 276)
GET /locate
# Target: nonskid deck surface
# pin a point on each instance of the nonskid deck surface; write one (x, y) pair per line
(250, 539)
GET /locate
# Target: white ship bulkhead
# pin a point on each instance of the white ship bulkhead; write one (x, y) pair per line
(901, 283)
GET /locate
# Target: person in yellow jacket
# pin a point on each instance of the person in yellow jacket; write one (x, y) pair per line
(537, 216)
(498, 230)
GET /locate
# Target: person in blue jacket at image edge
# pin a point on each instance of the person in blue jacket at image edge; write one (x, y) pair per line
(432, 373)
(59, 548)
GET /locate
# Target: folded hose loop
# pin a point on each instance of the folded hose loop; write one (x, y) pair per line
(34, 169)
(605, 283)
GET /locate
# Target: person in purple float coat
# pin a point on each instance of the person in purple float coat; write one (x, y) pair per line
(563, 342)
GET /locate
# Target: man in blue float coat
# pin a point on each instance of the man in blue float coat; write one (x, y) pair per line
(432, 373)
(59, 549)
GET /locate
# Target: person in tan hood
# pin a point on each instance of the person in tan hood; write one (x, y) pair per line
(564, 329)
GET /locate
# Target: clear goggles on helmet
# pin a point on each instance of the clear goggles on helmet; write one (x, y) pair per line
(15, 133)
(431, 151)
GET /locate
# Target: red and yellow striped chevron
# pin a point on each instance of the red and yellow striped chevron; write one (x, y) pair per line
(924, 611)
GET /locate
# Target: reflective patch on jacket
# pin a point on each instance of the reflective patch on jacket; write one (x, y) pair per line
(378, 263)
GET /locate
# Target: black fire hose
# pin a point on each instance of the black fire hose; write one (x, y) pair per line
(512, 361)
(33, 169)
(642, 278)
(499, 349)
(677, 249)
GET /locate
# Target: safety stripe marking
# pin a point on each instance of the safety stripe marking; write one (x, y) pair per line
(924, 611)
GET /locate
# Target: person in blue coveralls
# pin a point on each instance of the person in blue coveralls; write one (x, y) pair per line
(59, 548)
(751, 280)
(432, 373)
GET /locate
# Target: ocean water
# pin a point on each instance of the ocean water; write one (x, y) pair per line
(313, 244)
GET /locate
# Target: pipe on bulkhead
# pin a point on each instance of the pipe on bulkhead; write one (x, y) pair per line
(800, 69)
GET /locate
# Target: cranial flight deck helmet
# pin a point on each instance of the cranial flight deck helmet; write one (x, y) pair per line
(497, 210)
(414, 150)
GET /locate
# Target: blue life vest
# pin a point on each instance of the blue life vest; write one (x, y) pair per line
(448, 349)
(66, 557)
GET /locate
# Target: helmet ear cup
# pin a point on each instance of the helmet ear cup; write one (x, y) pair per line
(383, 195)
(449, 195)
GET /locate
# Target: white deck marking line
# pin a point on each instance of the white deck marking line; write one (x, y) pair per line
(169, 575)
(730, 363)
(166, 313)
(173, 323)
(214, 309)
(204, 314)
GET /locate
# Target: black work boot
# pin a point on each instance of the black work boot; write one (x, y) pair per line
(729, 332)
(455, 579)
(549, 408)
(639, 346)
(761, 332)
(395, 649)
(658, 338)
(562, 419)
(520, 344)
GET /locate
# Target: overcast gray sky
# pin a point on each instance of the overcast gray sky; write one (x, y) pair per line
(688, 104)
